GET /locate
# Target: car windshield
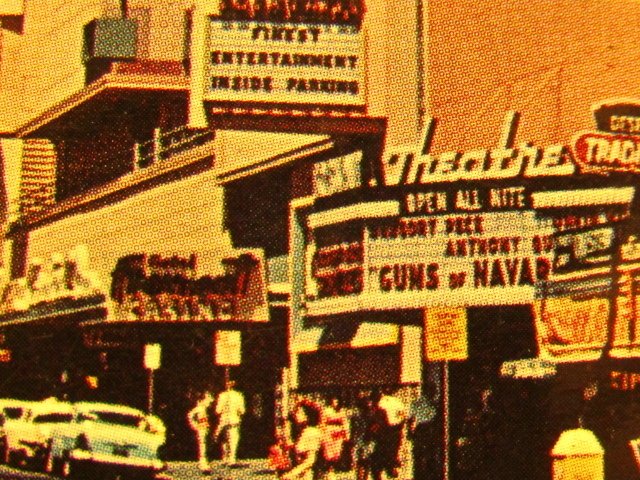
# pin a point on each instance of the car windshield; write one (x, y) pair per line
(55, 417)
(13, 413)
(124, 419)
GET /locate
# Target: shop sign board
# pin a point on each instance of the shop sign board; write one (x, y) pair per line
(284, 63)
(603, 152)
(337, 174)
(624, 380)
(573, 312)
(168, 287)
(228, 347)
(615, 145)
(60, 282)
(445, 334)
(535, 368)
(618, 115)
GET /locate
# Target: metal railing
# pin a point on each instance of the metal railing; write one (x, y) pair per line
(164, 145)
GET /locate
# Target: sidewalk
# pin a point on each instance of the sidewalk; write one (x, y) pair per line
(246, 469)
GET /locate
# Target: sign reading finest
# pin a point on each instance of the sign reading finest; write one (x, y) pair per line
(285, 63)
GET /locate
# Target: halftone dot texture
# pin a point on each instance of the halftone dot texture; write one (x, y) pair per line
(550, 60)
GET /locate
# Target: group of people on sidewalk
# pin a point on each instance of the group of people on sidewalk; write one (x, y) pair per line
(229, 408)
(317, 436)
(320, 433)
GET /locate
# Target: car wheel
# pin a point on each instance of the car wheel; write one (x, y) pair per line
(71, 469)
(49, 461)
(12, 458)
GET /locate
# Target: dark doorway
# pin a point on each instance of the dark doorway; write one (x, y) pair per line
(498, 427)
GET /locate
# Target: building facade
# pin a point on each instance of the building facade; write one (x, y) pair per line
(371, 196)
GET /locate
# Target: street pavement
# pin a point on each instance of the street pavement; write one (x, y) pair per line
(255, 469)
(246, 469)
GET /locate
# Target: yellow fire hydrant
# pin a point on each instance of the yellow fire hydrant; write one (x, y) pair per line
(577, 455)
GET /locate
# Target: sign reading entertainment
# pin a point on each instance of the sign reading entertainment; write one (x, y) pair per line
(285, 63)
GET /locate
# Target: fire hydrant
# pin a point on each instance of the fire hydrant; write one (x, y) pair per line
(577, 455)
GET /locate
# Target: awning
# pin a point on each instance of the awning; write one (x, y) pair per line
(129, 87)
(58, 313)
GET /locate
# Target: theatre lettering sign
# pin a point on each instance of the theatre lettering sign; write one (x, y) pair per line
(484, 227)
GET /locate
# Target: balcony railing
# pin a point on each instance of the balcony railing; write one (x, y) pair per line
(165, 145)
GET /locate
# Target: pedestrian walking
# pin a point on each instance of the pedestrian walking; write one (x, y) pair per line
(307, 417)
(391, 415)
(198, 418)
(476, 455)
(423, 429)
(335, 432)
(230, 408)
(362, 437)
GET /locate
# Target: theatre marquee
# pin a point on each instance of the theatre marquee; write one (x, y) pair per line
(498, 226)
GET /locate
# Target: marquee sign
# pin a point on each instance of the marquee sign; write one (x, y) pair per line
(615, 146)
(511, 224)
(278, 63)
(455, 229)
(458, 247)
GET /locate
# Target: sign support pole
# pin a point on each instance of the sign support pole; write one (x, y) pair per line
(446, 434)
(150, 391)
(152, 354)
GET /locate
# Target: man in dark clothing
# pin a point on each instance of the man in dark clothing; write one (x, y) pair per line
(423, 431)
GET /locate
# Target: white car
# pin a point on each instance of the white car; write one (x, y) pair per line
(102, 436)
(12, 408)
(27, 438)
